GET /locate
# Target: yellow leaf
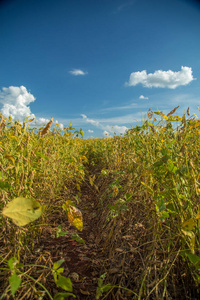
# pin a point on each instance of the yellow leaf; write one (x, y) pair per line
(197, 124)
(11, 158)
(198, 215)
(164, 116)
(23, 211)
(192, 243)
(75, 217)
(146, 173)
(31, 120)
(189, 225)
(78, 187)
(91, 180)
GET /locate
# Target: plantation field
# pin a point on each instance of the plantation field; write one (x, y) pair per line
(111, 218)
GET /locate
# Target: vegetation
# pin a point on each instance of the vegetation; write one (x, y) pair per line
(139, 195)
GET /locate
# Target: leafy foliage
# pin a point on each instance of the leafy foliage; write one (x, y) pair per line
(154, 166)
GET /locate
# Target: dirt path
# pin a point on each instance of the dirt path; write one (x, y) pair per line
(83, 262)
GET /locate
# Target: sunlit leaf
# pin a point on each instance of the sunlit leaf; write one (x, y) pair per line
(14, 282)
(31, 120)
(10, 157)
(164, 116)
(64, 283)
(58, 263)
(189, 225)
(75, 217)
(23, 211)
(12, 262)
(81, 132)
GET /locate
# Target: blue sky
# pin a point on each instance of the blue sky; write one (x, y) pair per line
(98, 64)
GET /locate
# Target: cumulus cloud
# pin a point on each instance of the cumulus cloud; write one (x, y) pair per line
(15, 103)
(162, 79)
(108, 128)
(77, 72)
(143, 97)
(60, 125)
(90, 131)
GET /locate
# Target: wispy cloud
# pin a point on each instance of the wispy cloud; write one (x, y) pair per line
(124, 5)
(143, 97)
(108, 128)
(124, 107)
(161, 79)
(15, 103)
(77, 72)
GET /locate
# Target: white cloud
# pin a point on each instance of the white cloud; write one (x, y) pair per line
(106, 133)
(109, 128)
(16, 101)
(161, 79)
(143, 97)
(116, 129)
(90, 131)
(77, 72)
(60, 125)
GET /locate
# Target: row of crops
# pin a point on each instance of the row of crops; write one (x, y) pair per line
(149, 176)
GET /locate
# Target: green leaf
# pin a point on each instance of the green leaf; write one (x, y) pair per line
(77, 238)
(62, 296)
(56, 273)
(64, 283)
(170, 144)
(23, 211)
(160, 204)
(106, 288)
(12, 263)
(101, 279)
(4, 185)
(60, 232)
(58, 263)
(14, 282)
(123, 207)
(193, 258)
(81, 132)
(164, 215)
(57, 270)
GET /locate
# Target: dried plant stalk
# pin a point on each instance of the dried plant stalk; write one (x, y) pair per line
(46, 128)
(173, 111)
